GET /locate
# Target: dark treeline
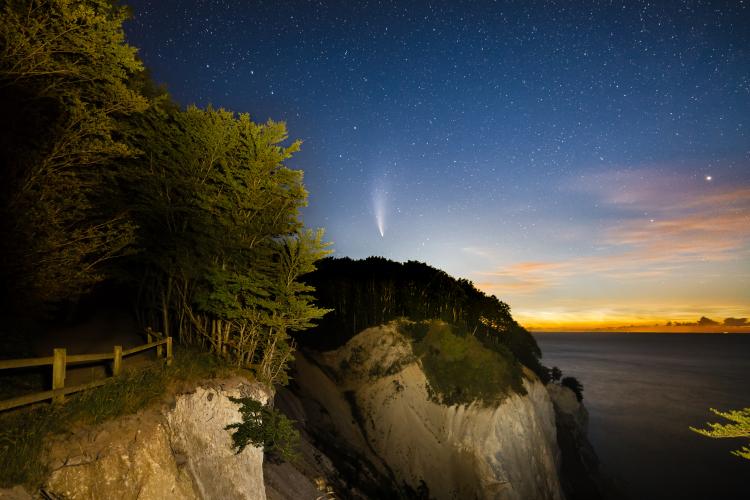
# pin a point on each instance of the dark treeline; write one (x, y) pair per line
(373, 291)
(190, 213)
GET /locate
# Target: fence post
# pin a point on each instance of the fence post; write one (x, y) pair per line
(169, 351)
(58, 374)
(117, 363)
(159, 350)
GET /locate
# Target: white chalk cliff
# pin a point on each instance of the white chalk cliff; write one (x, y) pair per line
(177, 451)
(369, 428)
(373, 395)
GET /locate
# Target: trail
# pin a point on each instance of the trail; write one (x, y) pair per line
(97, 334)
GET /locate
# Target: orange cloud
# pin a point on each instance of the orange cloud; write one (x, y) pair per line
(523, 277)
(659, 235)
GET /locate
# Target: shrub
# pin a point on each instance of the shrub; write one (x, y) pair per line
(264, 426)
(460, 370)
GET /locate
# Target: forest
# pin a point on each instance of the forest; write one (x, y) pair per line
(373, 291)
(191, 213)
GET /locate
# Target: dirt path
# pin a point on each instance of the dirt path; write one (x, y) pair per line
(99, 334)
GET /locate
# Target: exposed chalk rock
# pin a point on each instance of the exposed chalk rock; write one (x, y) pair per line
(377, 407)
(178, 452)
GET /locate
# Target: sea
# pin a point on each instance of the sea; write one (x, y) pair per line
(643, 391)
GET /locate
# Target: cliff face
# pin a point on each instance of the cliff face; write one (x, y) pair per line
(581, 472)
(370, 398)
(180, 451)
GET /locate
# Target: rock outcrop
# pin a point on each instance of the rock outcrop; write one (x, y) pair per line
(178, 451)
(582, 477)
(367, 406)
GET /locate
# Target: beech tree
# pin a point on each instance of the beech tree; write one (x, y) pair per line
(64, 67)
(197, 203)
(223, 249)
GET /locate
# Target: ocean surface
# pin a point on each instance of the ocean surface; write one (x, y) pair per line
(643, 391)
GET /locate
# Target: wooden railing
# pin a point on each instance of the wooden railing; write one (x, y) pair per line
(60, 360)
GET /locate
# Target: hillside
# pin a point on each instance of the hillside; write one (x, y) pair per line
(373, 291)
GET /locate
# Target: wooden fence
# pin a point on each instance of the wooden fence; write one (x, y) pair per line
(60, 360)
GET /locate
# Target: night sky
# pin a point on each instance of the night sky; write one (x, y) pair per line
(587, 162)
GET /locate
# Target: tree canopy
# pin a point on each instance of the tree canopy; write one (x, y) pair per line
(64, 69)
(222, 247)
(106, 178)
(373, 291)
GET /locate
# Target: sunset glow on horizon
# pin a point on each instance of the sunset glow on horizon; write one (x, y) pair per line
(674, 250)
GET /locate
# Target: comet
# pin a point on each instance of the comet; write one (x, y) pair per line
(379, 201)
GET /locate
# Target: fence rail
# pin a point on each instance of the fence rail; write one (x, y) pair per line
(60, 360)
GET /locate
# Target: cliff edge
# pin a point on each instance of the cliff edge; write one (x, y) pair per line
(177, 451)
(369, 406)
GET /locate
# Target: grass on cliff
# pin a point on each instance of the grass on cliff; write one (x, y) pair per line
(23, 432)
(459, 369)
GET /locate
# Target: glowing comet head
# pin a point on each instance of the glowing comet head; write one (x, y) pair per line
(379, 204)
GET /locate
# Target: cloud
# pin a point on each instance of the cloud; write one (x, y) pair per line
(482, 252)
(523, 277)
(662, 225)
(696, 227)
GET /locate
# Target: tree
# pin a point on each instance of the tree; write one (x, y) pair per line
(218, 221)
(738, 429)
(64, 70)
(199, 202)
(263, 426)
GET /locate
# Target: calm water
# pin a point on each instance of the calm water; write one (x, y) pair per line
(643, 390)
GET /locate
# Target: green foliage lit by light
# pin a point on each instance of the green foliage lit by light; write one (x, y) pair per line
(106, 177)
(461, 370)
(223, 249)
(264, 427)
(740, 428)
(64, 71)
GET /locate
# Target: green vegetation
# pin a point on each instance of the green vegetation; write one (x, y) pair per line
(64, 71)
(23, 432)
(460, 369)
(375, 290)
(218, 224)
(192, 212)
(265, 427)
(740, 428)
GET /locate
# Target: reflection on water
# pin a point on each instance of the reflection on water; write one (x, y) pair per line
(643, 390)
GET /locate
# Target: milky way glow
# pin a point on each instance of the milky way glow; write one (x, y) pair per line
(379, 199)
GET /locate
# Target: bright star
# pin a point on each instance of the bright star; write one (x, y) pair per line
(709, 178)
